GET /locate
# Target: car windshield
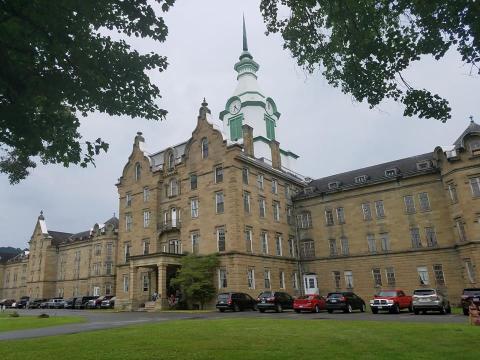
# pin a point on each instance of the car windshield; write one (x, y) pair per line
(266, 294)
(335, 295)
(387, 293)
(471, 292)
(223, 296)
(424, 292)
(306, 297)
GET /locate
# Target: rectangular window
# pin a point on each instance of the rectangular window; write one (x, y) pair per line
(431, 236)
(174, 247)
(146, 218)
(109, 268)
(390, 272)
(438, 273)
(194, 208)
(145, 282)
(261, 204)
(128, 199)
(295, 280)
(415, 235)
(270, 128)
(288, 192)
(423, 275)
(281, 277)
(289, 215)
(222, 278)
(266, 278)
(108, 289)
(195, 242)
(336, 279)
(98, 249)
(379, 209)
(236, 127)
(193, 181)
(385, 242)
(278, 245)
(264, 242)
(260, 181)
(248, 239)
(348, 279)
(409, 204)
(475, 186)
(221, 238)
(251, 278)
(367, 212)
(329, 217)
(96, 269)
(307, 249)
(462, 235)
(276, 211)
(341, 215)
(126, 249)
(424, 201)
(245, 174)
(246, 201)
(128, 222)
(291, 246)
(332, 243)
(218, 174)
(146, 247)
(146, 194)
(372, 245)
(344, 244)
(377, 277)
(304, 220)
(125, 283)
(470, 270)
(219, 203)
(274, 186)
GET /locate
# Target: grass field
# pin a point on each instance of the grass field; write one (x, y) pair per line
(257, 339)
(8, 323)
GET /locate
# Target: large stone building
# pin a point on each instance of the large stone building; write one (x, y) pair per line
(231, 189)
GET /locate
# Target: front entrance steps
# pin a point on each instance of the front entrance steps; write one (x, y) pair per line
(150, 306)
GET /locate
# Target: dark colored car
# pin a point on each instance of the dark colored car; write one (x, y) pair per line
(22, 303)
(274, 300)
(235, 301)
(35, 304)
(108, 304)
(69, 303)
(346, 301)
(81, 302)
(7, 302)
(96, 303)
(469, 295)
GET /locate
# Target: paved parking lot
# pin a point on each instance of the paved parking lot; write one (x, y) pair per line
(98, 319)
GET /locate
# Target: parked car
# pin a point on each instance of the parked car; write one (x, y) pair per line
(392, 301)
(430, 299)
(69, 303)
(23, 302)
(235, 301)
(274, 300)
(469, 295)
(44, 305)
(81, 302)
(35, 304)
(96, 303)
(7, 302)
(346, 301)
(55, 303)
(313, 303)
(108, 303)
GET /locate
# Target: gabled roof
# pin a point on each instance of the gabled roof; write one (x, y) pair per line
(473, 128)
(58, 236)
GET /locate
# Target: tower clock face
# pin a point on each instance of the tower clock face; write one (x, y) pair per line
(269, 108)
(235, 106)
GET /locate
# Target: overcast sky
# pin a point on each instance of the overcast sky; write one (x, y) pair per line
(329, 131)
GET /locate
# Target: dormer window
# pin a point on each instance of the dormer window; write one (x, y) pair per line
(308, 190)
(333, 185)
(171, 161)
(475, 147)
(361, 179)
(391, 172)
(424, 165)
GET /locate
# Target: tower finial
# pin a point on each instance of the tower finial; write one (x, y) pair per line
(245, 45)
(471, 119)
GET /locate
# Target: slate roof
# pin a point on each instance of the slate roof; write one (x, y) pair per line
(472, 128)
(5, 256)
(58, 236)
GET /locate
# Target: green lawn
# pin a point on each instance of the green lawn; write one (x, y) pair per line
(260, 339)
(8, 323)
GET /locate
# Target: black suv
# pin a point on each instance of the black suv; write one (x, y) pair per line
(469, 295)
(235, 301)
(274, 300)
(345, 301)
(35, 304)
(81, 302)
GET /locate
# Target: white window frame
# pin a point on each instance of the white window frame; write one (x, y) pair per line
(126, 281)
(366, 211)
(146, 218)
(424, 201)
(219, 196)
(194, 211)
(274, 186)
(222, 280)
(219, 230)
(423, 276)
(262, 207)
(246, 202)
(267, 277)
(281, 276)
(276, 211)
(260, 181)
(248, 240)
(278, 245)
(475, 186)
(218, 174)
(295, 280)
(409, 202)
(348, 275)
(264, 242)
(195, 238)
(379, 209)
(146, 194)
(251, 278)
(340, 215)
(128, 222)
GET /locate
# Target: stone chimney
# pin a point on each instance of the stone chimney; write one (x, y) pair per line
(276, 159)
(247, 139)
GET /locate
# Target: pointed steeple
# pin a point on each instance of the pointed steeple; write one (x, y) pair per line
(246, 65)
(245, 45)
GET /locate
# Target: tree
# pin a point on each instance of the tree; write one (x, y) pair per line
(364, 47)
(59, 60)
(195, 277)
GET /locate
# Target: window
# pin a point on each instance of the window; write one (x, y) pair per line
(245, 173)
(128, 222)
(291, 246)
(438, 273)
(96, 269)
(264, 242)
(281, 277)
(145, 282)
(274, 186)
(193, 181)
(126, 251)
(128, 199)
(469, 269)
(424, 201)
(289, 215)
(146, 218)
(173, 187)
(174, 247)
(391, 172)
(236, 128)
(266, 278)
(222, 278)
(276, 211)
(424, 165)
(171, 161)
(204, 147)
(261, 203)
(333, 185)
(125, 283)
(307, 249)
(332, 244)
(146, 247)
(138, 171)
(372, 245)
(108, 289)
(452, 191)
(251, 278)
(390, 272)
(221, 238)
(295, 280)
(98, 249)
(344, 244)
(194, 208)
(218, 174)
(385, 242)
(462, 235)
(348, 279)
(329, 217)
(379, 209)
(423, 275)
(377, 277)
(336, 279)
(415, 235)
(195, 242)
(278, 245)
(475, 147)
(270, 123)
(108, 268)
(248, 239)
(260, 181)
(409, 204)
(146, 194)
(361, 179)
(431, 236)
(288, 192)
(304, 220)
(475, 186)
(341, 215)
(219, 204)
(367, 212)
(246, 201)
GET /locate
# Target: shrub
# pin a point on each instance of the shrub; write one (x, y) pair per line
(15, 314)
(43, 316)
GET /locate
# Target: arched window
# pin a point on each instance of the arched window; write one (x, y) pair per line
(137, 171)
(204, 148)
(171, 161)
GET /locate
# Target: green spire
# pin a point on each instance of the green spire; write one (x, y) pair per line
(245, 46)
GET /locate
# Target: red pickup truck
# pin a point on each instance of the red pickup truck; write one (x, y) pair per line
(391, 300)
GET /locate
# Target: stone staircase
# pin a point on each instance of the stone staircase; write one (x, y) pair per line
(150, 306)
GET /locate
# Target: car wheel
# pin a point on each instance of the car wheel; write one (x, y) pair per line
(443, 310)
(236, 308)
(348, 309)
(374, 311)
(221, 310)
(424, 312)
(316, 309)
(395, 309)
(416, 312)
(330, 311)
(262, 310)
(278, 308)
(362, 309)
(297, 311)
(449, 309)
(466, 312)
(410, 308)
(255, 307)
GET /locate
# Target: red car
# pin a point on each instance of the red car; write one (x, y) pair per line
(312, 303)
